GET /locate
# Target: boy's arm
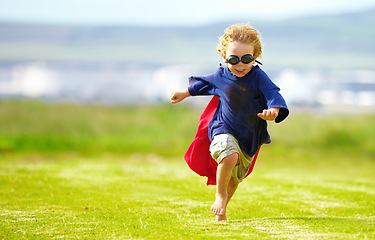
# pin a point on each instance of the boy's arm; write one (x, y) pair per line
(269, 114)
(274, 100)
(178, 96)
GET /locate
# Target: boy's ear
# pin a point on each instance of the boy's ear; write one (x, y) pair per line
(224, 57)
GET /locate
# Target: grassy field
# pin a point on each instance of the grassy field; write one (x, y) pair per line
(89, 172)
(40, 127)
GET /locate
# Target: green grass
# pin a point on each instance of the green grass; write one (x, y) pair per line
(315, 181)
(165, 130)
(41, 127)
(151, 197)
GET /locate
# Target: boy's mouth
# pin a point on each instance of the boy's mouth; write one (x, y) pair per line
(240, 70)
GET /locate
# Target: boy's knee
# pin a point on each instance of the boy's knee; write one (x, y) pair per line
(230, 160)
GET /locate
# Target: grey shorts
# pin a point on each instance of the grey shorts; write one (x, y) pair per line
(224, 145)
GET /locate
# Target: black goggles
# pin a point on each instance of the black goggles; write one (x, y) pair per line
(246, 59)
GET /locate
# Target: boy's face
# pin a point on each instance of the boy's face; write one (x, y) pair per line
(239, 49)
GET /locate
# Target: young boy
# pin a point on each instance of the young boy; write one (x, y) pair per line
(247, 98)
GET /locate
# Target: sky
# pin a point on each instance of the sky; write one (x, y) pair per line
(168, 12)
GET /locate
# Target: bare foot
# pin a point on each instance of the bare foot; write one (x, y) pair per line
(221, 217)
(219, 206)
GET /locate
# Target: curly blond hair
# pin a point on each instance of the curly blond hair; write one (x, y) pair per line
(240, 33)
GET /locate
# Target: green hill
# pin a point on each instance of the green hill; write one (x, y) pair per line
(332, 41)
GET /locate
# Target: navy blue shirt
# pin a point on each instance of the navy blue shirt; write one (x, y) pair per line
(241, 99)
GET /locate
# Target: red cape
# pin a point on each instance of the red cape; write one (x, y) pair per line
(198, 155)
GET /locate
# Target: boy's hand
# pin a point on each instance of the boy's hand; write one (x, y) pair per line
(269, 114)
(179, 96)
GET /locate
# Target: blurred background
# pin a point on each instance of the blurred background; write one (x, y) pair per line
(90, 143)
(320, 53)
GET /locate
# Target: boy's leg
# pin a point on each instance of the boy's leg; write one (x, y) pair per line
(232, 187)
(223, 177)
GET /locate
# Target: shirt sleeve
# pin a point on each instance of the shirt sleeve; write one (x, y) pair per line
(199, 86)
(273, 98)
